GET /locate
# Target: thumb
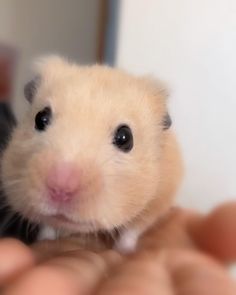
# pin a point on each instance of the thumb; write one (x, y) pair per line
(216, 233)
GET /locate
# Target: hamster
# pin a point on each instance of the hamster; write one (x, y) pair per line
(94, 153)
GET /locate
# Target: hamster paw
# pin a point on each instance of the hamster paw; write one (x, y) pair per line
(127, 242)
(46, 233)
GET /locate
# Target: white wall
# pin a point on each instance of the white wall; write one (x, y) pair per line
(192, 45)
(37, 27)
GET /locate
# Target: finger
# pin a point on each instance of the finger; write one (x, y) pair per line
(185, 229)
(15, 257)
(216, 233)
(140, 275)
(48, 249)
(167, 273)
(171, 232)
(75, 273)
(198, 274)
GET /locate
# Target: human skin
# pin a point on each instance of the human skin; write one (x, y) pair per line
(186, 254)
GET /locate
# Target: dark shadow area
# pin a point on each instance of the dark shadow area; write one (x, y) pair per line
(11, 224)
(7, 123)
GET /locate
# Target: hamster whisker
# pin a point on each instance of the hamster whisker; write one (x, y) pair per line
(27, 230)
(90, 216)
(14, 190)
(29, 226)
(12, 183)
(113, 233)
(106, 161)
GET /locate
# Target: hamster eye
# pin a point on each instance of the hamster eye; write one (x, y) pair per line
(42, 119)
(123, 138)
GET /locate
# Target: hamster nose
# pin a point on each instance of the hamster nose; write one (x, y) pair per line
(62, 182)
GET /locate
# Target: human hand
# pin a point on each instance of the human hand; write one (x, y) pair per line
(183, 255)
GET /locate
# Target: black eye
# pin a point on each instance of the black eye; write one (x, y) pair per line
(43, 119)
(123, 138)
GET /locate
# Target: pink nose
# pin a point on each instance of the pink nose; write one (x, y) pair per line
(63, 182)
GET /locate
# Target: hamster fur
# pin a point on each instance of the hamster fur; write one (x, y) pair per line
(112, 189)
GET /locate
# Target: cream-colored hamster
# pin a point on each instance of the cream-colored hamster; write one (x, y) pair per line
(94, 153)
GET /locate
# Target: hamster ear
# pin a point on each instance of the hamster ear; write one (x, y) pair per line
(161, 92)
(30, 89)
(167, 122)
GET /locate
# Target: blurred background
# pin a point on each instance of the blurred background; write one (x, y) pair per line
(190, 44)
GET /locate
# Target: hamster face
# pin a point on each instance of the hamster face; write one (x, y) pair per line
(86, 156)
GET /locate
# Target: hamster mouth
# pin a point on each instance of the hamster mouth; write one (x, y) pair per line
(63, 218)
(62, 221)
